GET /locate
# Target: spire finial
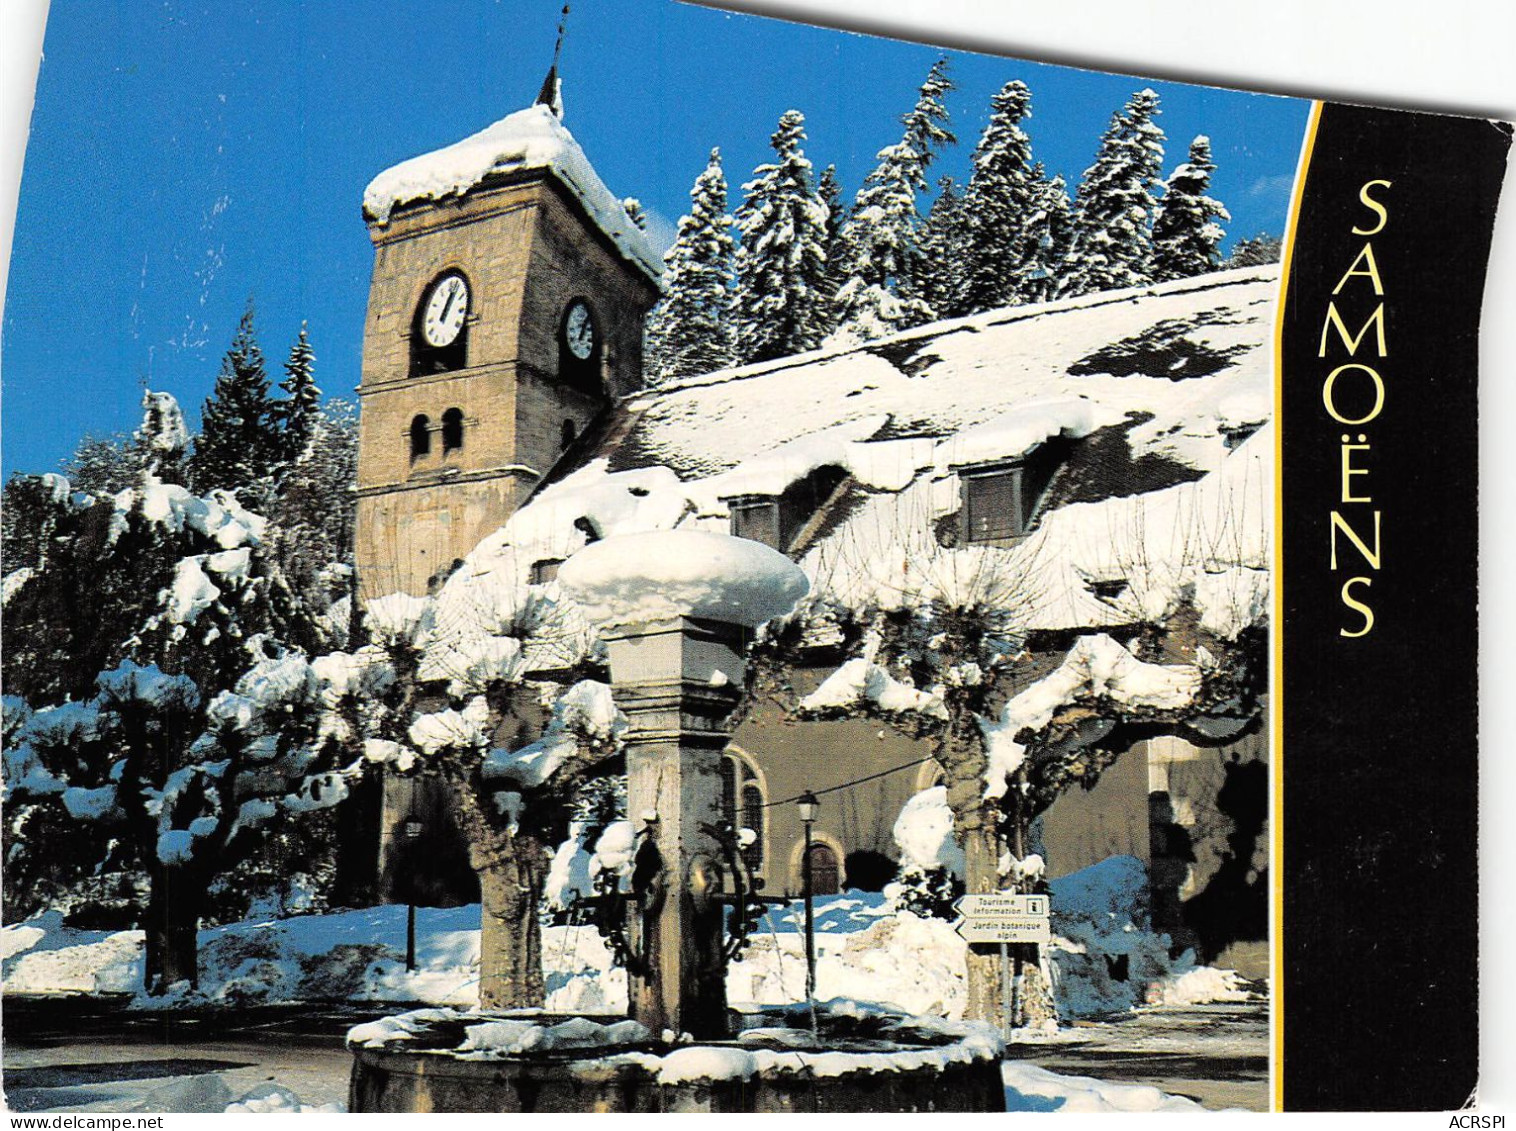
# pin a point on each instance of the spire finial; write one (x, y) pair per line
(551, 94)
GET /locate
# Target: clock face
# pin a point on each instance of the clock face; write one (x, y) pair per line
(579, 330)
(445, 311)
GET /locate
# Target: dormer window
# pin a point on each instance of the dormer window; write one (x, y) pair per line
(756, 517)
(545, 570)
(1107, 589)
(993, 505)
(1001, 501)
(785, 521)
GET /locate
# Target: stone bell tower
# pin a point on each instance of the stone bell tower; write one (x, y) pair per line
(505, 314)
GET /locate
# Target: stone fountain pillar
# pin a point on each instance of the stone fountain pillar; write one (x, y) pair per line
(662, 676)
(676, 610)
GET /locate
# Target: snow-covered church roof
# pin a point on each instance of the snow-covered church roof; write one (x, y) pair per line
(1158, 397)
(530, 139)
(1195, 357)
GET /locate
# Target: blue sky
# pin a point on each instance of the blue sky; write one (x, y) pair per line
(184, 156)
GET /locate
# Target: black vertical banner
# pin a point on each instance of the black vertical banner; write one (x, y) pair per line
(1379, 721)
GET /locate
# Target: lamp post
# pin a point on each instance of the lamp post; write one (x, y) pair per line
(807, 804)
(411, 830)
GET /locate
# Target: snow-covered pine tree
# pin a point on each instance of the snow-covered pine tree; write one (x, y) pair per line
(779, 305)
(162, 439)
(879, 248)
(1262, 248)
(998, 203)
(689, 332)
(926, 128)
(297, 413)
(311, 519)
(1050, 229)
(1187, 231)
(239, 446)
(1113, 243)
(940, 283)
(103, 465)
(882, 291)
(829, 191)
(926, 134)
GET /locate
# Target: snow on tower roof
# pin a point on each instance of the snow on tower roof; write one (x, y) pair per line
(529, 139)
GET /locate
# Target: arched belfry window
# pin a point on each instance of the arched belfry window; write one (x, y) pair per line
(421, 436)
(452, 430)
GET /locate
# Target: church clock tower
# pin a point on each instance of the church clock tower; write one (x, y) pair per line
(505, 315)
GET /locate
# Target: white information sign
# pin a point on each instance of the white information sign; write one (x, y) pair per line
(1004, 917)
(1001, 903)
(1010, 929)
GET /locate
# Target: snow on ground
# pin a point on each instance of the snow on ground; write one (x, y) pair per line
(867, 951)
(1029, 1088)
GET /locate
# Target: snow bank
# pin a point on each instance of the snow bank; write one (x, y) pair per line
(1198, 986)
(496, 1038)
(529, 139)
(899, 961)
(1105, 955)
(491, 1040)
(639, 578)
(699, 1063)
(867, 952)
(1029, 1088)
(44, 956)
(275, 1099)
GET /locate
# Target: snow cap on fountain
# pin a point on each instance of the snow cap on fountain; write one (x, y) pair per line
(639, 578)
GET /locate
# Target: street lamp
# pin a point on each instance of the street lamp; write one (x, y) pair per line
(807, 804)
(411, 830)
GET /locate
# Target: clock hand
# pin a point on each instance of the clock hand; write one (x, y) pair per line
(447, 307)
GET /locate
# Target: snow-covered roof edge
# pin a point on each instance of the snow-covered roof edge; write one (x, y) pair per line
(529, 139)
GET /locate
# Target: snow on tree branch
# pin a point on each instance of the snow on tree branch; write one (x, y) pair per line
(1097, 668)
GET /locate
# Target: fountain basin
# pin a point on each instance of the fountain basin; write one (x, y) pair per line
(452, 1061)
